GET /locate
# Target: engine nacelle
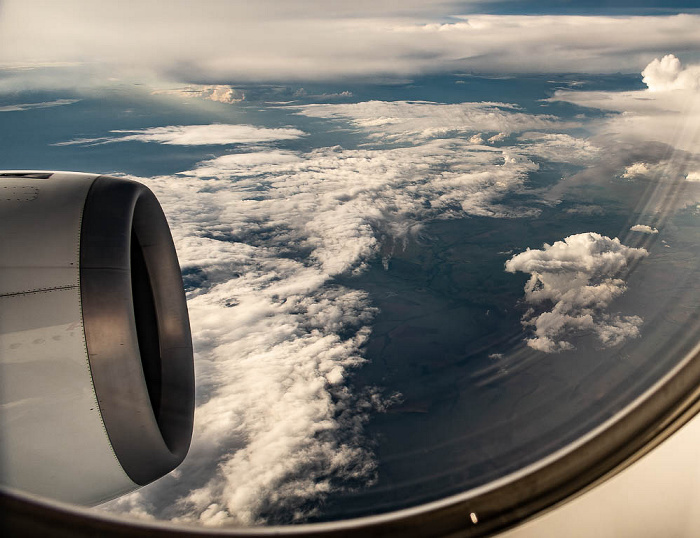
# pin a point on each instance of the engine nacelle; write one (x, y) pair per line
(96, 368)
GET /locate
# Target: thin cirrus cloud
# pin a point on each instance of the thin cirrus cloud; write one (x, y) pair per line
(194, 135)
(572, 283)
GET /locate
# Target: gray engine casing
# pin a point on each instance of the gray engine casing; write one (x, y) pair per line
(96, 369)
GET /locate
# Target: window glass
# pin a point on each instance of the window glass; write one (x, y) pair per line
(423, 247)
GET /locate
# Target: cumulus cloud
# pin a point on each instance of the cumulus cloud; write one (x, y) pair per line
(667, 74)
(311, 40)
(651, 136)
(644, 228)
(242, 164)
(635, 170)
(417, 120)
(572, 284)
(194, 135)
(499, 137)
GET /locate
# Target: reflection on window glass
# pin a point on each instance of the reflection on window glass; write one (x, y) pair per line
(423, 248)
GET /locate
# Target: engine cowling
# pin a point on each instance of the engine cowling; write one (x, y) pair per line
(96, 379)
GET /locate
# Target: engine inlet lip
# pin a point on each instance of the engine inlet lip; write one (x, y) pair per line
(136, 327)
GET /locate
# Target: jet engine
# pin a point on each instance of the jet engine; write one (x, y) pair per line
(96, 368)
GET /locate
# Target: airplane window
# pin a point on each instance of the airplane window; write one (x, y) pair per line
(441, 260)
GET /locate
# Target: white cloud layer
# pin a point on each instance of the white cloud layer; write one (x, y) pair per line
(243, 41)
(417, 120)
(194, 135)
(572, 284)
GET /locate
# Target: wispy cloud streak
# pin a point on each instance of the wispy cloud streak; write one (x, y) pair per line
(193, 135)
(31, 106)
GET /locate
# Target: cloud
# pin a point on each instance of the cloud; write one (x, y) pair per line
(693, 176)
(499, 137)
(29, 106)
(276, 426)
(220, 93)
(571, 285)
(194, 135)
(245, 164)
(667, 74)
(236, 41)
(277, 339)
(650, 137)
(635, 170)
(260, 242)
(559, 147)
(643, 228)
(419, 120)
(668, 111)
